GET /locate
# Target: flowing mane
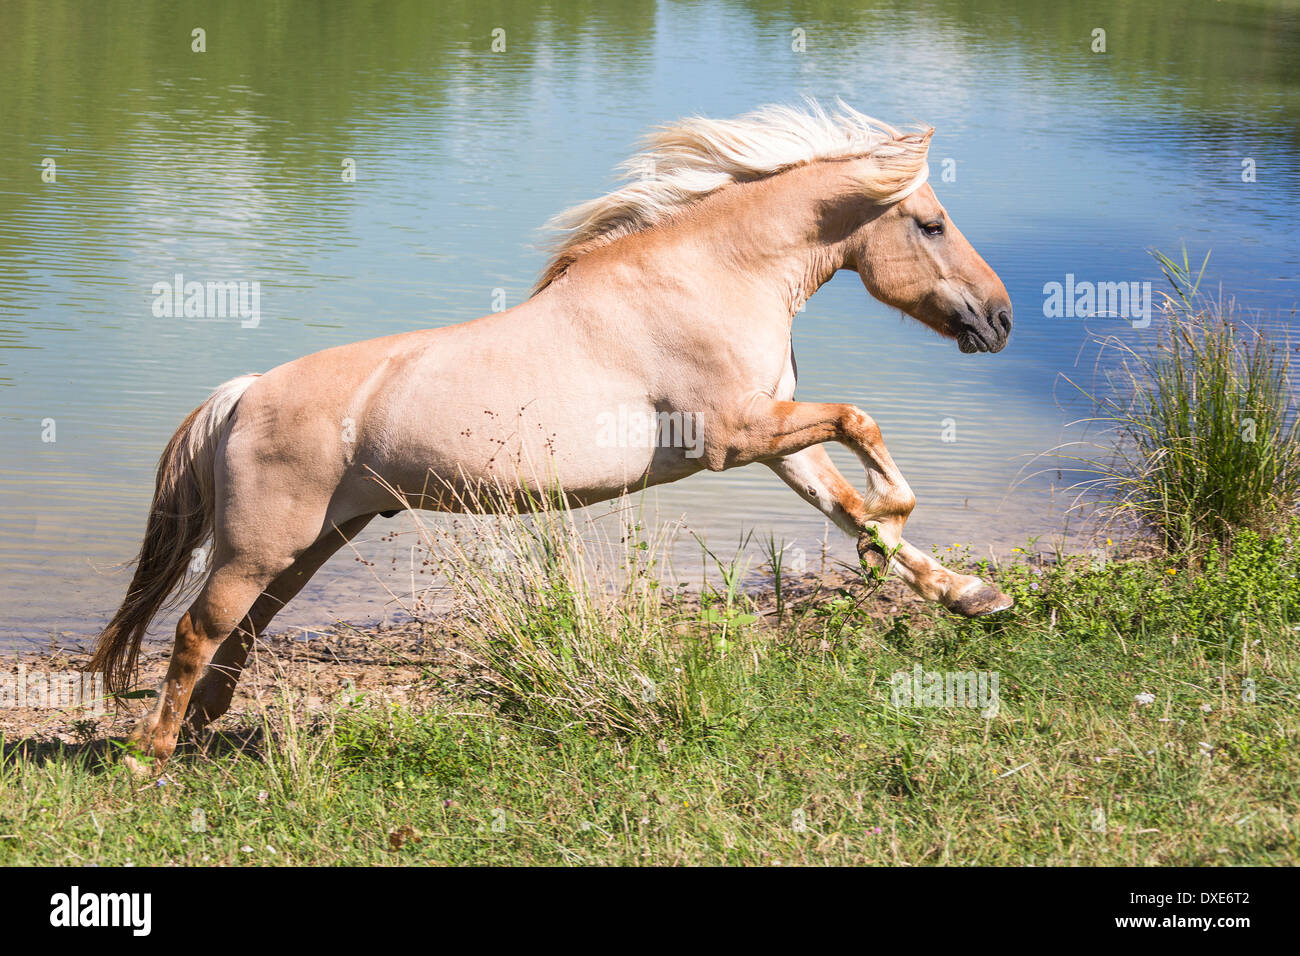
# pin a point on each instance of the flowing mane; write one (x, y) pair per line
(683, 162)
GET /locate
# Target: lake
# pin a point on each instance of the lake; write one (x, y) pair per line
(381, 167)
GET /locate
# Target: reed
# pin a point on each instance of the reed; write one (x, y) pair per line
(1204, 421)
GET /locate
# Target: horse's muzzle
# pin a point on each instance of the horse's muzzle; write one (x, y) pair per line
(987, 333)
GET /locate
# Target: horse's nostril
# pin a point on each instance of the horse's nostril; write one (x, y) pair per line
(1003, 319)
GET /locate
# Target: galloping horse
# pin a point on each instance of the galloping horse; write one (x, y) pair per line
(674, 294)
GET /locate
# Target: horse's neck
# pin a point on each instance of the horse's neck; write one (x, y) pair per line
(773, 234)
(760, 249)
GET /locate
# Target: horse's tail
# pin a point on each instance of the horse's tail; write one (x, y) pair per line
(180, 520)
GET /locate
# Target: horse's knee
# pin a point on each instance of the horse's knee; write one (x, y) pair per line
(857, 427)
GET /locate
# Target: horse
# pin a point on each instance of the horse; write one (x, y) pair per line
(673, 295)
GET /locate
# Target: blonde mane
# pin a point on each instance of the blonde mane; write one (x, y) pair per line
(682, 163)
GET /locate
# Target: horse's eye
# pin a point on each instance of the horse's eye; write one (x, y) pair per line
(932, 228)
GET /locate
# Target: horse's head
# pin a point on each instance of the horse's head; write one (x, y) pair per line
(913, 257)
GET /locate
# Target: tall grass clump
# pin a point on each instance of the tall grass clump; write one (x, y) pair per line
(574, 626)
(1205, 425)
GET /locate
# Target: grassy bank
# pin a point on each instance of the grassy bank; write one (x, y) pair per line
(1147, 713)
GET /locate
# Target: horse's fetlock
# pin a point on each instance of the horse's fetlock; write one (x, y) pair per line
(875, 555)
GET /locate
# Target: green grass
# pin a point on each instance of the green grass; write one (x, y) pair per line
(783, 748)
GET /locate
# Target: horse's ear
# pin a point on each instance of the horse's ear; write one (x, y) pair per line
(921, 139)
(917, 140)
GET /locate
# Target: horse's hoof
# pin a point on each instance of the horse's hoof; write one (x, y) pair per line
(137, 768)
(146, 750)
(980, 601)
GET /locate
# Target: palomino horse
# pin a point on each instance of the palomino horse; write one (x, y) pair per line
(674, 294)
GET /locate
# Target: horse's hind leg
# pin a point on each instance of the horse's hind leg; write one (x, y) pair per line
(814, 476)
(228, 594)
(213, 692)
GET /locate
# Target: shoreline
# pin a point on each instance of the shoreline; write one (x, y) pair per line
(411, 663)
(344, 591)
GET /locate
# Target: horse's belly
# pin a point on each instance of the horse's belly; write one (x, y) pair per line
(591, 457)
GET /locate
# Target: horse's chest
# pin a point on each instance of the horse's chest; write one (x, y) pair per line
(784, 390)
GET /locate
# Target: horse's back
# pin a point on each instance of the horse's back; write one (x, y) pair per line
(507, 400)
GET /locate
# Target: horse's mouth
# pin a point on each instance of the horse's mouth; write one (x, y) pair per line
(983, 329)
(975, 339)
(970, 341)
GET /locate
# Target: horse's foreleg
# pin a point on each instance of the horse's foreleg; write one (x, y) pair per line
(814, 476)
(781, 430)
(960, 593)
(215, 689)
